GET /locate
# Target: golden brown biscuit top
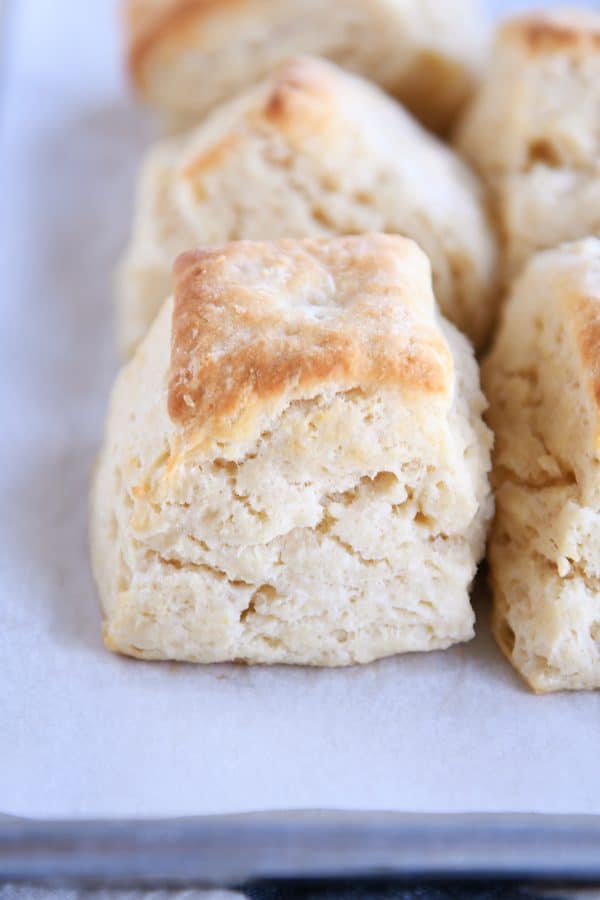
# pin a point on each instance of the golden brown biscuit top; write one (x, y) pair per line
(255, 322)
(302, 86)
(571, 31)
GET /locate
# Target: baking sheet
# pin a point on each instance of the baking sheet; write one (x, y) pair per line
(86, 733)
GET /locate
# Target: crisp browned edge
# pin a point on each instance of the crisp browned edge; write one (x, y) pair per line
(587, 311)
(540, 32)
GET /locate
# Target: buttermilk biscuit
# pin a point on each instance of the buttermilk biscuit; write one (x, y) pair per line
(543, 383)
(313, 150)
(187, 56)
(295, 464)
(534, 131)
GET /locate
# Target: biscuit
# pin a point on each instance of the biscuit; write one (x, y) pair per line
(543, 383)
(295, 466)
(313, 150)
(188, 56)
(533, 131)
(540, 101)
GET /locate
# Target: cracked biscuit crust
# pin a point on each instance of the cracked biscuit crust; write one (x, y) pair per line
(259, 324)
(543, 382)
(328, 504)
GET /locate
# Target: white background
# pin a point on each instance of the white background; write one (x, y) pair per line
(83, 732)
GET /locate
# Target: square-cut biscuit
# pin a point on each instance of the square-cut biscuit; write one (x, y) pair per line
(543, 383)
(313, 150)
(295, 466)
(187, 56)
(534, 131)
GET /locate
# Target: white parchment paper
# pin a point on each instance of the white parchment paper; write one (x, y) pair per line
(86, 733)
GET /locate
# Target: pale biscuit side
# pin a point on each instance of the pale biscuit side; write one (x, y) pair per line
(543, 208)
(543, 383)
(540, 101)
